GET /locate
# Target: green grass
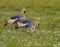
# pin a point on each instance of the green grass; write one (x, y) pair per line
(47, 12)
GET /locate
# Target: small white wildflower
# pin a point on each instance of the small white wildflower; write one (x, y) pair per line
(48, 31)
(38, 44)
(13, 37)
(30, 42)
(43, 30)
(55, 45)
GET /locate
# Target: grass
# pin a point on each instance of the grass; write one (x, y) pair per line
(47, 12)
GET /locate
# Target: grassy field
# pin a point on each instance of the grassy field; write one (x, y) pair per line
(47, 12)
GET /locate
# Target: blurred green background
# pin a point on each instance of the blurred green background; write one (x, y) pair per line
(47, 12)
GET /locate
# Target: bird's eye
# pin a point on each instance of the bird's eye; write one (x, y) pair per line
(38, 24)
